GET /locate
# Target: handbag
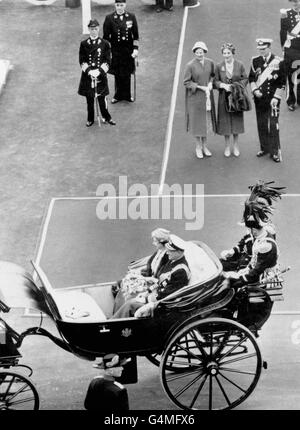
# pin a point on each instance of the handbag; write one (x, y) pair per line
(238, 99)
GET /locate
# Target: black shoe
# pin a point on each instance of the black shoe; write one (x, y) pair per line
(109, 121)
(170, 9)
(291, 107)
(158, 9)
(276, 158)
(89, 123)
(113, 101)
(260, 154)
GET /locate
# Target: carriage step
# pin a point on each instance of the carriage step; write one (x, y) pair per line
(265, 365)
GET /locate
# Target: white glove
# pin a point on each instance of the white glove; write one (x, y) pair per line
(94, 73)
(146, 310)
(135, 53)
(274, 102)
(227, 253)
(104, 67)
(209, 86)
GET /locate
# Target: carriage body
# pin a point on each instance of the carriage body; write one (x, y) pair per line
(193, 330)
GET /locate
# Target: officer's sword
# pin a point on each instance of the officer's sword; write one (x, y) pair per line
(134, 78)
(94, 85)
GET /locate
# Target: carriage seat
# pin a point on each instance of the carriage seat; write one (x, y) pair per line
(75, 306)
(202, 267)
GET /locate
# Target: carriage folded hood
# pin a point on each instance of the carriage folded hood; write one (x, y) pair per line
(17, 288)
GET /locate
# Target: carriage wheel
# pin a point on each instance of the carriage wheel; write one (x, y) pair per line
(155, 358)
(17, 392)
(220, 365)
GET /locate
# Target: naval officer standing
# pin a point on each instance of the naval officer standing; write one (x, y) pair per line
(267, 82)
(120, 28)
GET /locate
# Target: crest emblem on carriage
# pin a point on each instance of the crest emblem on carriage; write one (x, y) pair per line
(126, 332)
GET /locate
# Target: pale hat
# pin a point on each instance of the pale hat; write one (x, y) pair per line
(263, 43)
(200, 45)
(161, 234)
(175, 243)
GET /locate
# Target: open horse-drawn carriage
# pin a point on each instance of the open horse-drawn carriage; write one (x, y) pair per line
(202, 337)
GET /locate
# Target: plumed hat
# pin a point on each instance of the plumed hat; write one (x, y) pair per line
(198, 45)
(112, 360)
(161, 234)
(265, 190)
(256, 213)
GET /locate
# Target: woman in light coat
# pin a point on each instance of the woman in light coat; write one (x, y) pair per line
(228, 72)
(199, 102)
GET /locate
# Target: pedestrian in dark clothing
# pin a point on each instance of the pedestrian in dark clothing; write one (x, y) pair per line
(94, 60)
(164, 4)
(120, 28)
(267, 82)
(104, 393)
(290, 42)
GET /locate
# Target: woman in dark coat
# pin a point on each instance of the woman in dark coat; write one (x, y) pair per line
(199, 101)
(228, 72)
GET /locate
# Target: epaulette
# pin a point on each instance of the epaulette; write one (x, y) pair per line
(256, 56)
(264, 247)
(283, 13)
(119, 385)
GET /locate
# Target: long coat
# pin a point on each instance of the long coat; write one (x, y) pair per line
(94, 54)
(122, 34)
(229, 122)
(195, 99)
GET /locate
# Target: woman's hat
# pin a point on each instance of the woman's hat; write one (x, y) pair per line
(200, 45)
(161, 234)
(175, 243)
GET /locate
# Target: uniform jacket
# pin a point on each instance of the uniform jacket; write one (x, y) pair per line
(264, 256)
(244, 248)
(172, 276)
(148, 271)
(95, 55)
(106, 394)
(274, 85)
(121, 34)
(289, 40)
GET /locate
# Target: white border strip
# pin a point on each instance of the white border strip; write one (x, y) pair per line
(173, 103)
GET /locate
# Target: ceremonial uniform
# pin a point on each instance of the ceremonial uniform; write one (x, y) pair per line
(264, 257)
(122, 33)
(241, 254)
(94, 55)
(267, 76)
(290, 42)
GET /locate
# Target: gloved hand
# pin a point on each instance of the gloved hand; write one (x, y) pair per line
(104, 67)
(94, 73)
(146, 310)
(135, 53)
(274, 102)
(227, 253)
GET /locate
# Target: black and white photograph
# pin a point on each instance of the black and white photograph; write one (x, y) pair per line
(150, 201)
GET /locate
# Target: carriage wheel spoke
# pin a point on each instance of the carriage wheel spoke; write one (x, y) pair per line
(183, 364)
(9, 386)
(198, 391)
(18, 402)
(20, 390)
(222, 344)
(189, 353)
(210, 393)
(188, 385)
(227, 369)
(223, 391)
(234, 347)
(234, 360)
(198, 343)
(233, 383)
(183, 374)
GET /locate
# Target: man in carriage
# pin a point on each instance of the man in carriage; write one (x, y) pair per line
(264, 248)
(240, 255)
(171, 276)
